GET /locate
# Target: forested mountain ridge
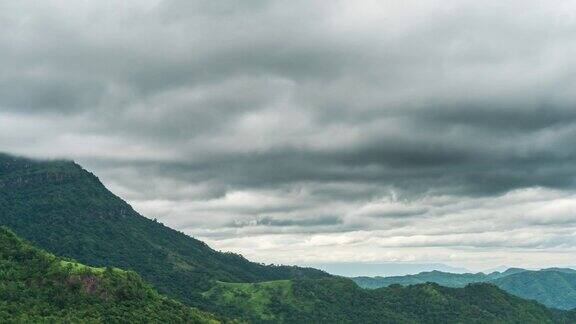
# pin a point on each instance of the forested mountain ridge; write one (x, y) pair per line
(38, 287)
(553, 287)
(66, 210)
(442, 278)
(339, 300)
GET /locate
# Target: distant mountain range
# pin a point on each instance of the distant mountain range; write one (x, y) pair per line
(38, 287)
(384, 269)
(65, 210)
(339, 300)
(553, 287)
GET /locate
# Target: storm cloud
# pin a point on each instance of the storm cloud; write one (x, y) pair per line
(312, 131)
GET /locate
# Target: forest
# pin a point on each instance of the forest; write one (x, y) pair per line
(81, 235)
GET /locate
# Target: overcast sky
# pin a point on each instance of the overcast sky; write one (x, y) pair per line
(312, 131)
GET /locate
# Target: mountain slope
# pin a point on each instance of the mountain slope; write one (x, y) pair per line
(554, 287)
(442, 278)
(66, 210)
(339, 300)
(36, 286)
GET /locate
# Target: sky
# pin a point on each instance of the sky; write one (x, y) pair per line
(302, 132)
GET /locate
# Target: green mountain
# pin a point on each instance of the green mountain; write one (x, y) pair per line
(554, 287)
(66, 210)
(442, 278)
(339, 300)
(38, 287)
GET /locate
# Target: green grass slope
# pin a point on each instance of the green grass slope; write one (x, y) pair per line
(37, 287)
(64, 209)
(253, 302)
(339, 300)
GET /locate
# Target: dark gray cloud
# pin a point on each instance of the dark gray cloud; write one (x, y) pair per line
(369, 125)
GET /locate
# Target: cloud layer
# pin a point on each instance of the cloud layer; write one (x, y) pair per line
(312, 131)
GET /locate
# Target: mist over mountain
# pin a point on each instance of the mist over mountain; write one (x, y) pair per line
(303, 133)
(273, 161)
(66, 210)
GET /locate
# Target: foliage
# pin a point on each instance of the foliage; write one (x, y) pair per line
(253, 302)
(64, 209)
(553, 288)
(36, 286)
(339, 300)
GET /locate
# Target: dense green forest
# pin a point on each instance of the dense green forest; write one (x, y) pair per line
(65, 210)
(554, 287)
(551, 287)
(340, 300)
(36, 286)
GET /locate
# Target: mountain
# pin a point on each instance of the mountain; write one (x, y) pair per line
(501, 268)
(553, 287)
(564, 270)
(66, 210)
(447, 279)
(507, 272)
(339, 300)
(442, 278)
(38, 287)
(385, 269)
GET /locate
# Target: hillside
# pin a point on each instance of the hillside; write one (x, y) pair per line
(339, 300)
(442, 278)
(66, 210)
(554, 287)
(36, 286)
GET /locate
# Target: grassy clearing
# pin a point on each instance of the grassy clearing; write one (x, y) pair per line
(256, 297)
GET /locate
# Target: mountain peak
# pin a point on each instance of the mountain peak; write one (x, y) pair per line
(68, 211)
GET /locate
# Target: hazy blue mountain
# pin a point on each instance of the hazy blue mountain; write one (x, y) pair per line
(553, 287)
(65, 209)
(384, 269)
(339, 300)
(565, 270)
(442, 278)
(501, 268)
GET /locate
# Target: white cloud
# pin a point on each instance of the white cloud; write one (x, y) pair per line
(311, 130)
